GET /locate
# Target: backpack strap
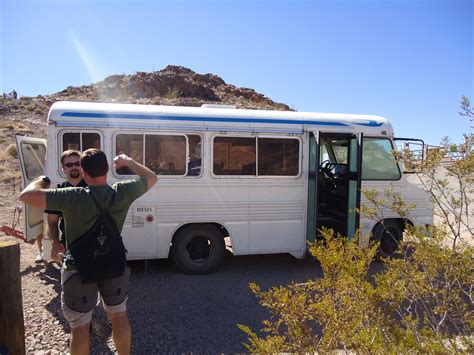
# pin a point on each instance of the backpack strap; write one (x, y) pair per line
(105, 209)
(105, 212)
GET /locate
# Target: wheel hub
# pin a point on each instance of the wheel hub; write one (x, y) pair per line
(199, 249)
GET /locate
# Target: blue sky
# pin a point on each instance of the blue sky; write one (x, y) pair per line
(409, 61)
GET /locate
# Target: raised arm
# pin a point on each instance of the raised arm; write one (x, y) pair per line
(35, 193)
(139, 169)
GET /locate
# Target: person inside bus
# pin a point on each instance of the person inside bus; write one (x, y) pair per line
(194, 165)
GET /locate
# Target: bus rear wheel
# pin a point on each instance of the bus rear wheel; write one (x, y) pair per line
(389, 233)
(198, 249)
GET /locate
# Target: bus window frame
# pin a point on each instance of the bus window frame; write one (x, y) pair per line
(152, 133)
(188, 156)
(59, 141)
(256, 136)
(394, 148)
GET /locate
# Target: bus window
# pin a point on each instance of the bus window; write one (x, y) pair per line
(195, 155)
(323, 153)
(90, 140)
(34, 156)
(131, 145)
(165, 155)
(80, 141)
(234, 156)
(339, 148)
(378, 161)
(278, 157)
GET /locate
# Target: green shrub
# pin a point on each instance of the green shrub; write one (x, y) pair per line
(421, 302)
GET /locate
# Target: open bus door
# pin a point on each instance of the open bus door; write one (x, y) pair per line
(334, 182)
(32, 155)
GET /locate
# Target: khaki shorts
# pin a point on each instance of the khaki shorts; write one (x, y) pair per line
(78, 299)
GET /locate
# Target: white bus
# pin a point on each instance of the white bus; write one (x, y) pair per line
(256, 182)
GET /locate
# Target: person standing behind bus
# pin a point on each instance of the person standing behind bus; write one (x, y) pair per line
(70, 162)
(80, 214)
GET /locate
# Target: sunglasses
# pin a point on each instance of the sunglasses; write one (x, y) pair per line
(70, 165)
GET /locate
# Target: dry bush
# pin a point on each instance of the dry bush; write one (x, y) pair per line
(11, 151)
(6, 177)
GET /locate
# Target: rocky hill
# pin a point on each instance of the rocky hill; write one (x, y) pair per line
(174, 85)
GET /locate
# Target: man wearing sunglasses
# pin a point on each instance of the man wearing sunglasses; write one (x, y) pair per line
(71, 164)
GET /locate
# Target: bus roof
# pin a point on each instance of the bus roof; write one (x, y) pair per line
(130, 116)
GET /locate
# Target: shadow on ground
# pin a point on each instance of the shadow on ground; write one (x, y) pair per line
(173, 312)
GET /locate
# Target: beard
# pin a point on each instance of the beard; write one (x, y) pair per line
(74, 174)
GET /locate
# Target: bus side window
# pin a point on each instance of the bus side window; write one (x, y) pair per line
(378, 161)
(278, 156)
(195, 155)
(131, 145)
(90, 140)
(237, 156)
(234, 156)
(71, 141)
(80, 141)
(166, 154)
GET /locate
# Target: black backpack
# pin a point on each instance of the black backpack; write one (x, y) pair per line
(99, 253)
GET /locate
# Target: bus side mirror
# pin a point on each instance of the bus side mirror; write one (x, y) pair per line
(411, 152)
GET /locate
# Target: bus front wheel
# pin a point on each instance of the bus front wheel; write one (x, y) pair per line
(198, 249)
(389, 233)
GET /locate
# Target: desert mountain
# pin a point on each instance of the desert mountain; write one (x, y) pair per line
(173, 85)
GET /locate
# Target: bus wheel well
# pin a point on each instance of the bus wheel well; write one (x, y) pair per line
(218, 226)
(198, 248)
(389, 232)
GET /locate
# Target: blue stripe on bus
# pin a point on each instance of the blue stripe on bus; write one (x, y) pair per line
(370, 123)
(174, 128)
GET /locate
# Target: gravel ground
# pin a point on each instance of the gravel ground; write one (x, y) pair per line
(169, 312)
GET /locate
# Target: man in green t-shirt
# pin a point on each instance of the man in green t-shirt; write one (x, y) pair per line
(80, 213)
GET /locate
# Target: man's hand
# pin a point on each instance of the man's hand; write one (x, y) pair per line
(43, 181)
(121, 161)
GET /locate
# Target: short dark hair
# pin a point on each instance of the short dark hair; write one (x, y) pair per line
(94, 162)
(69, 153)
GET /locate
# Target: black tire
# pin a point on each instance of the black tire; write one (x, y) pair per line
(389, 233)
(198, 249)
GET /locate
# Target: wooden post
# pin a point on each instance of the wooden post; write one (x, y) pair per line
(12, 327)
